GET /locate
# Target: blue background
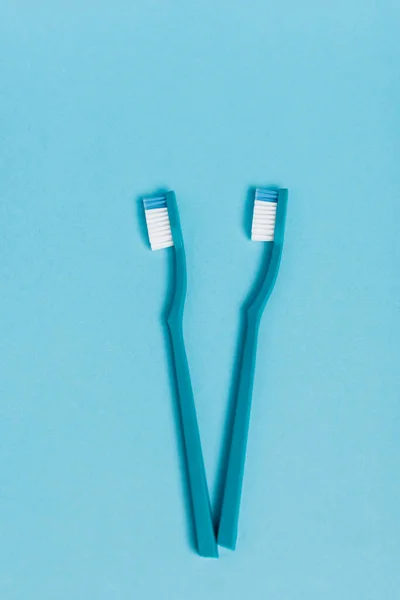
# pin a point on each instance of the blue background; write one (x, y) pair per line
(101, 103)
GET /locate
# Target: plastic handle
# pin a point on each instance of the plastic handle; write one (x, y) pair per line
(201, 508)
(228, 525)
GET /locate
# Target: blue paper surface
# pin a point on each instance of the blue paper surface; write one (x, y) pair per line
(102, 103)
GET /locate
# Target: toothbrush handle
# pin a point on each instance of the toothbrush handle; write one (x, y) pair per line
(200, 501)
(228, 525)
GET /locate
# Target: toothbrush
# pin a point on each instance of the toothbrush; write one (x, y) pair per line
(164, 230)
(268, 226)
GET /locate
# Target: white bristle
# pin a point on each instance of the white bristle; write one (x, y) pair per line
(159, 228)
(263, 226)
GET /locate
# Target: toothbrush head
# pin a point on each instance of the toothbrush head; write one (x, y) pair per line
(158, 222)
(264, 215)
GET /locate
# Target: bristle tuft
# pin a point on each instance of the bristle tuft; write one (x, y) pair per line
(158, 225)
(264, 215)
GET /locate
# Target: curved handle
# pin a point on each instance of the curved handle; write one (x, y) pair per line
(228, 525)
(201, 508)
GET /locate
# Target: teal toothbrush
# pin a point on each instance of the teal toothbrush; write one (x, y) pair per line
(164, 230)
(268, 227)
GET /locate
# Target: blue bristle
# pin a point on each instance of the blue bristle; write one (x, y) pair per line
(266, 195)
(151, 203)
